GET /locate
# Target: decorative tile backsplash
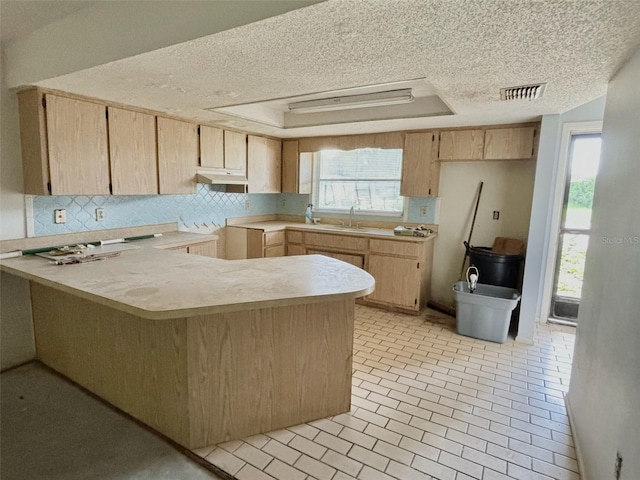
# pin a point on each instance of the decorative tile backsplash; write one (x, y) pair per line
(208, 207)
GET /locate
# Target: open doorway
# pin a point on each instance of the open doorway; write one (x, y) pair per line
(575, 226)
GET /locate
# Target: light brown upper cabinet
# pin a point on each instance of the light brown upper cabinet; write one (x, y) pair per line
(420, 170)
(461, 145)
(509, 143)
(264, 165)
(211, 147)
(235, 151)
(222, 149)
(64, 145)
(133, 152)
(296, 168)
(177, 156)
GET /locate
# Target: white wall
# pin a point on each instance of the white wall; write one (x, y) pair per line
(508, 188)
(541, 212)
(604, 394)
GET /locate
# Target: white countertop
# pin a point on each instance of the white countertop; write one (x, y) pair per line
(156, 284)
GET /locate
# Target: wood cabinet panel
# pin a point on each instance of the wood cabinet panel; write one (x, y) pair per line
(296, 168)
(274, 238)
(341, 242)
(177, 156)
(275, 251)
(78, 150)
(461, 145)
(296, 250)
(211, 147)
(397, 281)
(407, 249)
(206, 249)
(290, 170)
(235, 151)
(356, 260)
(33, 142)
(509, 143)
(133, 152)
(294, 237)
(420, 171)
(264, 165)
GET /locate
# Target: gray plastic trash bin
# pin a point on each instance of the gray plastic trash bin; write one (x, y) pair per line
(486, 313)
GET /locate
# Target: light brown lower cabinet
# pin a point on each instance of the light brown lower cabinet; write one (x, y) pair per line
(397, 280)
(402, 269)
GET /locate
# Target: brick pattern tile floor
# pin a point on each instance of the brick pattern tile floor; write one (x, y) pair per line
(429, 404)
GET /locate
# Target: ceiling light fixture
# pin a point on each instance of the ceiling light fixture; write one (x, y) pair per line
(377, 99)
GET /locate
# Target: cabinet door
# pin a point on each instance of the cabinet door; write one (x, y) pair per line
(461, 145)
(420, 172)
(397, 281)
(211, 147)
(509, 143)
(290, 166)
(206, 249)
(33, 142)
(177, 156)
(235, 151)
(78, 152)
(133, 152)
(264, 165)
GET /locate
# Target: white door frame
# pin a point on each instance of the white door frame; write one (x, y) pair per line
(568, 129)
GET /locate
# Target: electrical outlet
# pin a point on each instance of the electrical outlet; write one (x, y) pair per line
(424, 211)
(247, 205)
(618, 466)
(99, 214)
(496, 215)
(60, 216)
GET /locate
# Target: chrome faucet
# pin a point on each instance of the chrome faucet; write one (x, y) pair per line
(351, 212)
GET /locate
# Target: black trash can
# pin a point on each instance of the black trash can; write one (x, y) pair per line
(500, 269)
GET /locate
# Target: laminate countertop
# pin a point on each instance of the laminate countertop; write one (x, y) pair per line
(276, 225)
(156, 284)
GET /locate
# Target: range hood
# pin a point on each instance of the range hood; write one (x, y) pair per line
(221, 177)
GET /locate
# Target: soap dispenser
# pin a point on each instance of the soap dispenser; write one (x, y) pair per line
(308, 214)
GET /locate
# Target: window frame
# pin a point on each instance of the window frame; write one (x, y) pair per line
(315, 182)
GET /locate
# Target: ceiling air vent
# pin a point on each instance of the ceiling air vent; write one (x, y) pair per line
(525, 92)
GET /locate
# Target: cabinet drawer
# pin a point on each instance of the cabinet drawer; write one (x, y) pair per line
(275, 251)
(294, 237)
(296, 250)
(337, 241)
(406, 249)
(273, 238)
(179, 249)
(356, 260)
(206, 249)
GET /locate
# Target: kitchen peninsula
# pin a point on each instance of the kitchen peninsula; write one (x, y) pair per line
(204, 350)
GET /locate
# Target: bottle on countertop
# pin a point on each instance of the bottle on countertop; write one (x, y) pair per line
(308, 216)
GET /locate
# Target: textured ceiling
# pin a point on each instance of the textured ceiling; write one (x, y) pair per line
(466, 50)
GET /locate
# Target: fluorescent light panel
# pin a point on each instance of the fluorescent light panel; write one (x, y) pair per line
(377, 99)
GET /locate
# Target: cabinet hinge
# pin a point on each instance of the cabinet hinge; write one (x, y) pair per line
(418, 267)
(44, 102)
(433, 138)
(415, 302)
(49, 187)
(111, 189)
(429, 191)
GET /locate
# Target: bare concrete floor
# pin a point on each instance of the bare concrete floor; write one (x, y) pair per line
(50, 429)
